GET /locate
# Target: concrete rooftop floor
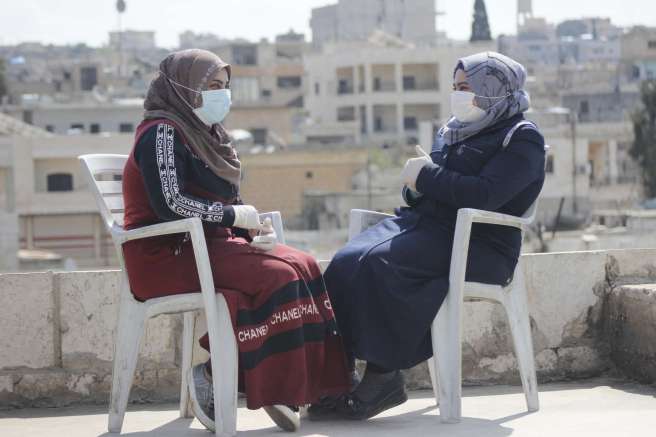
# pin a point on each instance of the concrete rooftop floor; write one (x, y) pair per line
(599, 407)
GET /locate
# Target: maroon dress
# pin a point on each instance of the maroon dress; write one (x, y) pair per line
(289, 349)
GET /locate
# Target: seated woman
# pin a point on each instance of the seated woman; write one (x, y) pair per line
(183, 165)
(388, 283)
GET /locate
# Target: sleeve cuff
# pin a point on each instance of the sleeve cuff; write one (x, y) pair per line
(228, 216)
(426, 176)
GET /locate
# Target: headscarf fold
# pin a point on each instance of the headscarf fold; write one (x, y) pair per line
(165, 99)
(499, 82)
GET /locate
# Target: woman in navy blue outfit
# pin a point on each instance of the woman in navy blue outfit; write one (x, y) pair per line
(387, 284)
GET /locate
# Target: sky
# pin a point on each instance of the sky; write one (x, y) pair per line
(89, 21)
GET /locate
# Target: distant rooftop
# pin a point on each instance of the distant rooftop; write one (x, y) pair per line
(10, 126)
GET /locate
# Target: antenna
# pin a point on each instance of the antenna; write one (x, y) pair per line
(120, 8)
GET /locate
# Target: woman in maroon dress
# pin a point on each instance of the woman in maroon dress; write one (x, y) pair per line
(183, 165)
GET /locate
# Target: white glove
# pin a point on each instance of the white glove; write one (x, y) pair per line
(246, 217)
(413, 166)
(268, 239)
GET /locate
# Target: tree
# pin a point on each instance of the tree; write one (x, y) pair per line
(480, 25)
(643, 149)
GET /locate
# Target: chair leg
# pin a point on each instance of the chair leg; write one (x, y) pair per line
(447, 351)
(516, 305)
(432, 371)
(187, 360)
(129, 331)
(224, 371)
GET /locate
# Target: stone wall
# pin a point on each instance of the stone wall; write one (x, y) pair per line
(56, 330)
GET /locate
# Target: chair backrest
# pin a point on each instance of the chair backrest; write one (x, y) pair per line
(105, 176)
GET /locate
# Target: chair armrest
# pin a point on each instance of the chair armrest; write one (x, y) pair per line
(362, 219)
(276, 221)
(172, 227)
(494, 218)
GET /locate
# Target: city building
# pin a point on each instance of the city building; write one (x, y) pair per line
(132, 40)
(92, 117)
(268, 87)
(192, 40)
(355, 20)
(46, 205)
(638, 53)
(375, 93)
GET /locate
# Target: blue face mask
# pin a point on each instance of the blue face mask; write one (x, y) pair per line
(215, 107)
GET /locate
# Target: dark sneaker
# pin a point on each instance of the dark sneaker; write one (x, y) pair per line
(389, 395)
(326, 407)
(286, 418)
(201, 393)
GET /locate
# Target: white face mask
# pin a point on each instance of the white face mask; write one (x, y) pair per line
(215, 107)
(463, 108)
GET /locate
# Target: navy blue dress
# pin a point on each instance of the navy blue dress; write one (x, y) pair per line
(387, 284)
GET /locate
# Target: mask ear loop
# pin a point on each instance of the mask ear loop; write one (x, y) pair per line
(173, 82)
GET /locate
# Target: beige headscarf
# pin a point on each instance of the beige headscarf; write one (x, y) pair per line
(166, 99)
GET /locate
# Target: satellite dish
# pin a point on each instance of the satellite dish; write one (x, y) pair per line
(120, 6)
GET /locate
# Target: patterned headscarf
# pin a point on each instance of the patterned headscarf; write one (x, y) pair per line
(170, 97)
(499, 82)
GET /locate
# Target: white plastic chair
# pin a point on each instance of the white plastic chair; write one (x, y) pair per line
(446, 329)
(101, 171)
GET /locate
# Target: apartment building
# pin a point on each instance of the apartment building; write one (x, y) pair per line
(267, 87)
(46, 205)
(379, 93)
(355, 20)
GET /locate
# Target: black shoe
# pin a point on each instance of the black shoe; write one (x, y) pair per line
(390, 394)
(326, 407)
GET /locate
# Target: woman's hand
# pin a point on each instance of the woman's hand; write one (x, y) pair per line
(266, 238)
(413, 166)
(246, 217)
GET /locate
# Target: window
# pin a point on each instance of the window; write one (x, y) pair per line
(343, 87)
(410, 123)
(94, 128)
(60, 182)
(244, 54)
(377, 84)
(50, 128)
(309, 175)
(126, 127)
(245, 89)
(409, 83)
(266, 93)
(549, 164)
(28, 116)
(316, 88)
(378, 124)
(584, 107)
(651, 45)
(346, 113)
(289, 81)
(88, 78)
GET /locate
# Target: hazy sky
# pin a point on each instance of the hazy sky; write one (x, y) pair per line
(89, 21)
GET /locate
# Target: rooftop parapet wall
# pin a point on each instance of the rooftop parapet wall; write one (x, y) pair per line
(56, 330)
